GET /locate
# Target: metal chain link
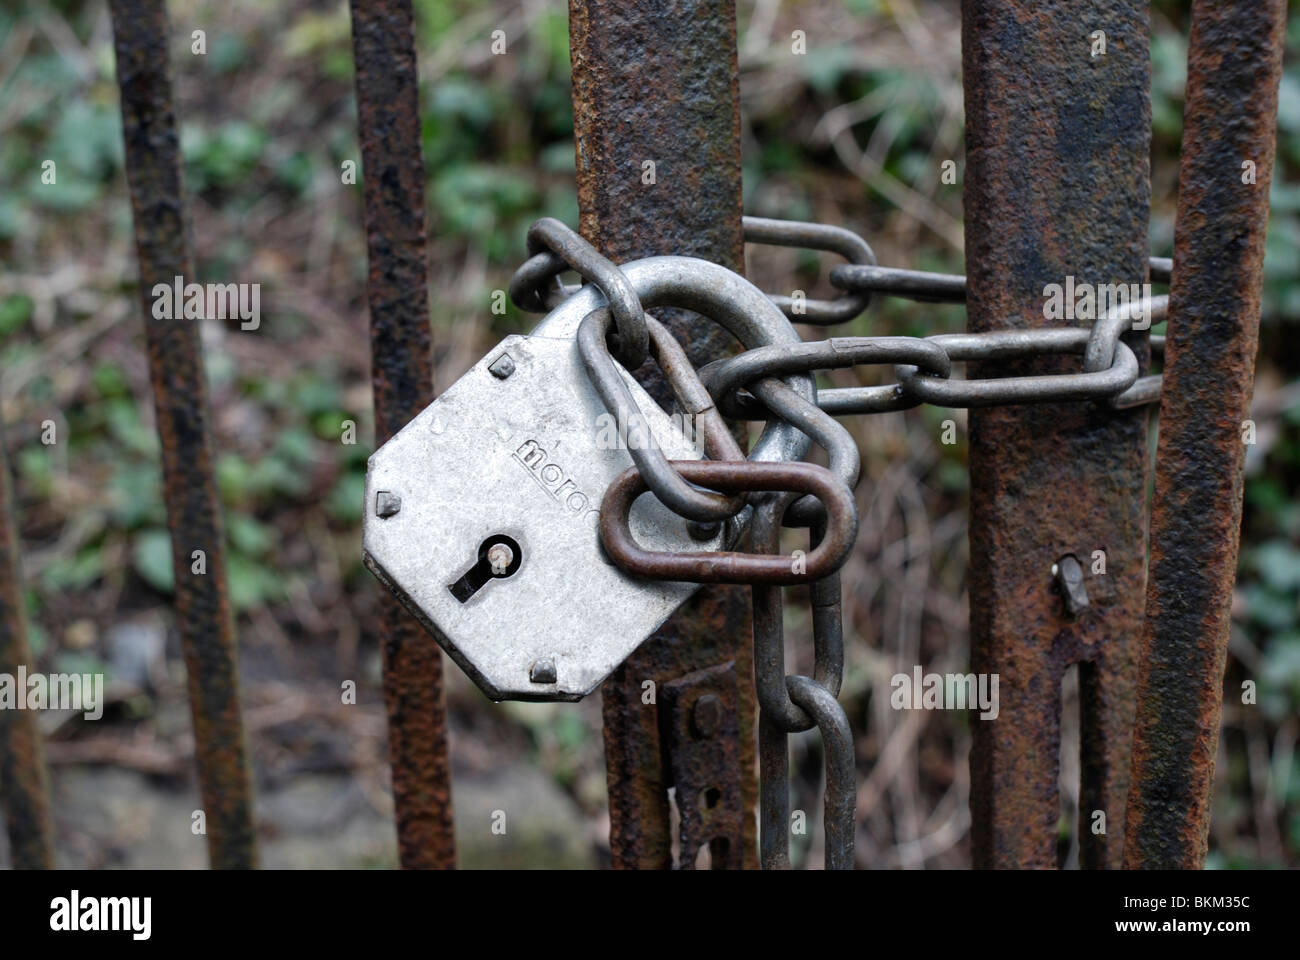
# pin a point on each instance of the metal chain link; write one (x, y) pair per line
(553, 246)
(790, 703)
(692, 398)
(815, 236)
(725, 378)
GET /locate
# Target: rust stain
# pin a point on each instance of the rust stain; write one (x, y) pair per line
(1234, 67)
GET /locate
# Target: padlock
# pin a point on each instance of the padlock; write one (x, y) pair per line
(482, 512)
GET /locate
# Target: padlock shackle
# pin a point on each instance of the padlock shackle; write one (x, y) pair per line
(714, 292)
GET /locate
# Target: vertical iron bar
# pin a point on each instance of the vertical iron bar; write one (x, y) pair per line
(203, 613)
(401, 343)
(1056, 185)
(1233, 71)
(701, 712)
(657, 127)
(24, 787)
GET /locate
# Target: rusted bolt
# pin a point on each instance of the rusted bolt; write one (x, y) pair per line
(542, 671)
(499, 557)
(1069, 581)
(502, 367)
(387, 503)
(706, 716)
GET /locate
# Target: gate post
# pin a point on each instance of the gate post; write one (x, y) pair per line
(1233, 70)
(1056, 185)
(656, 108)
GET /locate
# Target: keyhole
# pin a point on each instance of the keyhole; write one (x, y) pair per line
(499, 557)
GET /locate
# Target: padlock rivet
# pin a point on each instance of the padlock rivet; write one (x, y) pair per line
(542, 671)
(502, 367)
(387, 503)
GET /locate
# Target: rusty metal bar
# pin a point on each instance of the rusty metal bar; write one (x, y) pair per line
(24, 786)
(1056, 184)
(203, 613)
(702, 717)
(657, 127)
(401, 344)
(1233, 70)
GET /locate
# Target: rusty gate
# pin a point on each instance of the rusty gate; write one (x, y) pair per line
(1049, 483)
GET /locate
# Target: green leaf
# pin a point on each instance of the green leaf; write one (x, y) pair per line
(247, 535)
(76, 572)
(1279, 676)
(135, 495)
(250, 583)
(346, 500)
(37, 639)
(296, 445)
(1288, 103)
(124, 425)
(314, 394)
(1278, 563)
(67, 195)
(463, 100)
(76, 661)
(234, 478)
(295, 172)
(1268, 608)
(15, 310)
(151, 555)
(36, 467)
(110, 381)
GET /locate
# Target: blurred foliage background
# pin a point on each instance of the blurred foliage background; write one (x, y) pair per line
(854, 133)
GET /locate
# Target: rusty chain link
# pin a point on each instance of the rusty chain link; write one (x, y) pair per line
(765, 495)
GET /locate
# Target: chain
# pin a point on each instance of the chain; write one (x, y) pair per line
(724, 378)
(789, 704)
(816, 236)
(678, 495)
(1110, 373)
(553, 247)
(770, 383)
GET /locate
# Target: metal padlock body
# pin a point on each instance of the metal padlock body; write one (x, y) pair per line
(514, 449)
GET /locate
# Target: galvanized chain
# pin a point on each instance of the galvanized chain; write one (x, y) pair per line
(553, 247)
(763, 495)
(792, 703)
(1110, 374)
(1107, 376)
(692, 398)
